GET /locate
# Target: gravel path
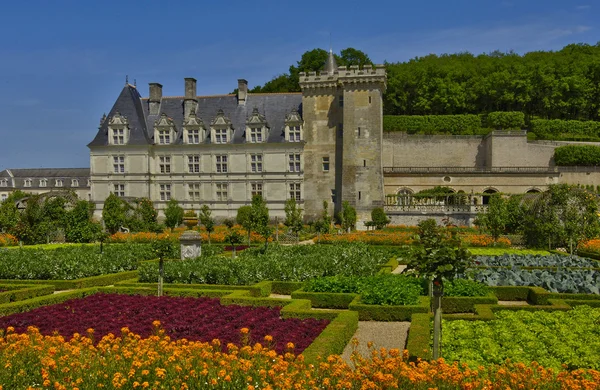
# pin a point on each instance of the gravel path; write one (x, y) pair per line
(383, 334)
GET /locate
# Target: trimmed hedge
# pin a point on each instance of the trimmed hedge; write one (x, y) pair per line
(466, 304)
(511, 293)
(326, 300)
(175, 292)
(388, 313)
(92, 281)
(557, 128)
(432, 124)
(18, 292)
(285, 288)
(587, 155)
(258, 290)
(506, 120)
(419, 336)
(33, 303)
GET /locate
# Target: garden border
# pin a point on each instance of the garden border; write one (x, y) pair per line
(20, 292)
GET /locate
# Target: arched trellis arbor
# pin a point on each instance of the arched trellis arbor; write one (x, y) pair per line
(70, 197)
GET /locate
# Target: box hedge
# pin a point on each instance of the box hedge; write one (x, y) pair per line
(432, 124)
(466, 304)
(388, 313)
(505, 120)
(557, 128)
(326, 300)
(419, 336)
(586, 155)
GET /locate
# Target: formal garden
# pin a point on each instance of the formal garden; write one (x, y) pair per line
(124, 311)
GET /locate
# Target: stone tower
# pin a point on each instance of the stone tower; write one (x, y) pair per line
(343, 116)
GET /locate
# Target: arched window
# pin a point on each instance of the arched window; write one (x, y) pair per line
(486, 198)
(404, 197)
(533, 191)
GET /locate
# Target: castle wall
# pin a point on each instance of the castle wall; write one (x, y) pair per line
(401, 150)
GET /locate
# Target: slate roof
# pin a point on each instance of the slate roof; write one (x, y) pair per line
(274, 106)
(19, 175)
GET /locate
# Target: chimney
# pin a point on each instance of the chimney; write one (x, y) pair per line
(190, 101)
(155, 97)
(242, 91)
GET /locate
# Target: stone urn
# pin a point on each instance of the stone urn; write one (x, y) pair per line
(190, 219)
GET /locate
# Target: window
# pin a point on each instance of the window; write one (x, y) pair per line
(221, 191)
(221, 163)
(3, 197)
(118, 136)
(256, 189)
(341, 100)
(43, 182)
(194, 191)
(326, 164)
(4, 183)
(255, 134)
(74, 183)
(119, 164)
(295, 191)
(333, 195)
(193, 136)
(164, 163)
(27, 183)
(294, 134)
(164, 137)
(221, 136)
(194, 164)
(119, 190)
(165, 192)
(256, 164)
(340, 129)
(294, 162)
(58, 183)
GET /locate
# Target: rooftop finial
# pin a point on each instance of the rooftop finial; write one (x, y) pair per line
(134, 82)
(126, 79)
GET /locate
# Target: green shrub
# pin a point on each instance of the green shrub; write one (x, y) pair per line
(557, 129)
(465, 288)
(577, 155)
(281, 263)
(391, 290)
(432, 124)
(506, 120)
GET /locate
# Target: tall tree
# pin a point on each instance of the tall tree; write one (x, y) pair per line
(207, 220)
(173, 214)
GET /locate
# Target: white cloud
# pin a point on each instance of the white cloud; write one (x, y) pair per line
(583, 7)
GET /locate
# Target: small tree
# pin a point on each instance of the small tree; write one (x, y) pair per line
(114, 213)
(348, 219)
(293, 217)
(495, 219)
(173, 214)
(243, 218)
(437, 255)
(323, 224)
(207, 220)
(80, 227)
(234, 238)
(146, 215)
(260, 218)
(378, 218)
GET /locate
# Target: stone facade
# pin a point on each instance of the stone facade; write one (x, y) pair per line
(323, 144)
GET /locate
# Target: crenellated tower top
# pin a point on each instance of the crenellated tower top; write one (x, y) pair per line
(343, 75)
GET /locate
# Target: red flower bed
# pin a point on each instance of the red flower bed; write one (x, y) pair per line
(202, 319)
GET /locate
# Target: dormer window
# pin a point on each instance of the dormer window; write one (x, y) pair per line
(43, 182)
(4, 183)
(58, 183)
(118, 130)
(164, 130)
(74, 183)
(193, 130)
(221, 129)
(256, 128)
(27, 183)
(293, 126)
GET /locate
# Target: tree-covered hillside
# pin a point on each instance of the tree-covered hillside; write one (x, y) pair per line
(554, 85)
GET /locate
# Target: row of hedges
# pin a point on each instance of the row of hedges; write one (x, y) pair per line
(432, 124)
(18, 292)
(557, 128)
(588, 155)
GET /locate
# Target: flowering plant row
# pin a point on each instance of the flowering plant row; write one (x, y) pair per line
(8, 240)
(592, 246)
(484, 240)
(376, 237)
(130, 362)
(200, 319)
(219, 235)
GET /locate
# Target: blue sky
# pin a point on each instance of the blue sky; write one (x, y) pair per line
(63, 63)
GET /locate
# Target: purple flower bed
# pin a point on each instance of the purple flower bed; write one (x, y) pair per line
(202, 319)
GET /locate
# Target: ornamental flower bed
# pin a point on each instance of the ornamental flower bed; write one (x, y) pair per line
(132, 362)
(376, 237)
(218, 236)
(8, 240)
(484, 240)
(198, 319)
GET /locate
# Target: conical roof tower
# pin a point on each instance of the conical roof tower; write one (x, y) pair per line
(330, 65)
